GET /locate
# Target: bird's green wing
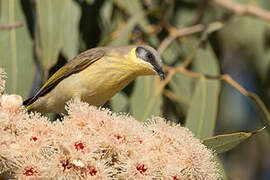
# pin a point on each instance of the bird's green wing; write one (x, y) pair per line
(77, 64)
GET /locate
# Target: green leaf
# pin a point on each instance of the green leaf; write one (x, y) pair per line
(184, 17)
(106, 13)
(132, 8)
(172, 53)
(16, 49)
(110, 21)
(226, 142)
(71, 30)
(119, 102)
(124, 35)
(182, 87)
(223, 143)
(51, 19)
(184, 48)
(215, 26)
(146, 98)
(201, 117)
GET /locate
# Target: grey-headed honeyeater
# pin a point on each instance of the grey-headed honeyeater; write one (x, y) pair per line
(94, 76)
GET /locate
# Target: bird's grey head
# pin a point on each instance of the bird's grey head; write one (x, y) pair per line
(151, 56)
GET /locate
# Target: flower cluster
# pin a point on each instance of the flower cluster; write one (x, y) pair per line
(94, 143)
(2, 81)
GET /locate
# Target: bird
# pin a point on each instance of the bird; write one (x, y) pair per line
(94, 76)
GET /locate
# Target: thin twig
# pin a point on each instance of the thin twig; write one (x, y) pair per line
(169, 76)
(174, 34)
(241, 9)
(224, 77)
(227, 78)
(11, 26)
(169, 94)
(189, 59)
(179, 33)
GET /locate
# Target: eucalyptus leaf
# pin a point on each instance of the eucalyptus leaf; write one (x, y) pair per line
(222, 143)
(215, 26)
(201, 117)
(226, 142)
(51, 20)
(182, 86)
(106, 13)
(172, 53)
(146, 98)
(119, 102)
(16, 49)
(184, 17)
(71, 30)
(124, 35)
(132, 7)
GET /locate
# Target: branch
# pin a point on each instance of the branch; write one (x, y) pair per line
(179, 33)
(240, 9)
(11, 26)
(227, 78)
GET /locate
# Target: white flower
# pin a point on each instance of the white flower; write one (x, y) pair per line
(78, 163)
(4, 118)
(11, 102)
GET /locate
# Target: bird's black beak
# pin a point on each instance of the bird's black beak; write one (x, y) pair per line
(160, 72)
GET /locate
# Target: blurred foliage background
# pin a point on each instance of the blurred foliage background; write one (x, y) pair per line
(195, 38)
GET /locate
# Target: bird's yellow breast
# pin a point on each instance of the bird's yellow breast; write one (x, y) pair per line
(95, 85)
(105, 78)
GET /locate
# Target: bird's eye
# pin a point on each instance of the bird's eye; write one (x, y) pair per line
(145, 54)
(149, 56)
